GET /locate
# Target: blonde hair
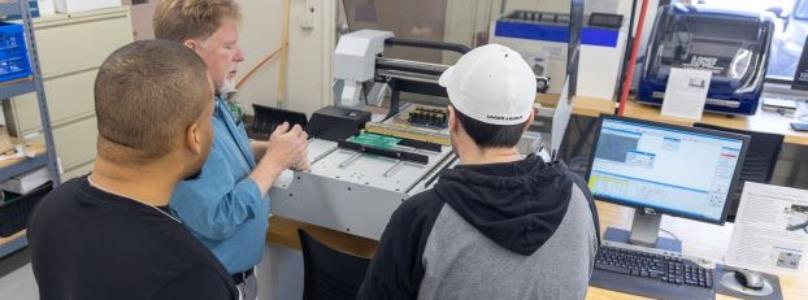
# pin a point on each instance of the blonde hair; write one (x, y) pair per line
(180, 20)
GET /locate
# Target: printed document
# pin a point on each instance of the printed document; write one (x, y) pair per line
(771, 229)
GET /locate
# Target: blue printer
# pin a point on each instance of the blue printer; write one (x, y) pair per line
(733, 45)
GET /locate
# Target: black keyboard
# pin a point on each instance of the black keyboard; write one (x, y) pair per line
(657, 274)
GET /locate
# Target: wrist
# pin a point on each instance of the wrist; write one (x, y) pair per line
(271, 165)
(265, 174)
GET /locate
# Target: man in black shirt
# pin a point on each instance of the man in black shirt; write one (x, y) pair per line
(110, 235)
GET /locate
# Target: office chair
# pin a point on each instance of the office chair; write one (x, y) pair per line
(761, 159)
(328, 273)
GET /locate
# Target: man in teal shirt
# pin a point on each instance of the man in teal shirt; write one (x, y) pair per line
(227, 207)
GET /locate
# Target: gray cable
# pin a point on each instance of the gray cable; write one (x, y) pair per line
(670, 233)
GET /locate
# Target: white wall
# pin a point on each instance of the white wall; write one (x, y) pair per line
(260, 35)
(309, 67)
(310, 56)
(562, 6)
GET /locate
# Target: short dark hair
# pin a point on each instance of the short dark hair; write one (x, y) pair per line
(147, 93)
(491, 136)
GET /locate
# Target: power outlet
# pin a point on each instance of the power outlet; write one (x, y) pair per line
(307, 18)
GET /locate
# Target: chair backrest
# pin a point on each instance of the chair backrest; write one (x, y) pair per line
(328, 273)
(761, 159)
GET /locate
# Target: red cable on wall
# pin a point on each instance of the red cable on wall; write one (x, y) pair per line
(632, 62)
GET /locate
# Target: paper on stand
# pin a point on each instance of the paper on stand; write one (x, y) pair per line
(686, 93)
(771, 229)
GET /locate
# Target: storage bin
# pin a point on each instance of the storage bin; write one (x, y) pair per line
(14, 62)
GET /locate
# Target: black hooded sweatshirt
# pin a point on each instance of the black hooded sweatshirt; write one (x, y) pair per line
(496, 231)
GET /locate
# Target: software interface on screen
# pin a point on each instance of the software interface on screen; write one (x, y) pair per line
(685, 173)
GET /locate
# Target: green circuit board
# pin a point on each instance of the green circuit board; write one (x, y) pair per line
(375, 140)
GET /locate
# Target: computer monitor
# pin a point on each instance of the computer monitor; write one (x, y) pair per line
(761, 160)
(664, 169)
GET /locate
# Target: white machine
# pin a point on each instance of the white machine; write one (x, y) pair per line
(542, 39)
(359, 177)
(355, 62)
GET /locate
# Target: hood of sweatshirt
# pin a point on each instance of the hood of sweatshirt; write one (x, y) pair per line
(518, 205)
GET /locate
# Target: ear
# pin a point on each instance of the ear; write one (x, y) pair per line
(191, 44)
(452, 124)
(530, 119)
(193, 138)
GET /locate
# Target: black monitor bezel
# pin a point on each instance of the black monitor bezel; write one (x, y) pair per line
(733, 183)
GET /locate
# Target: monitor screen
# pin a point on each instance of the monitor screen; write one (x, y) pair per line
(686, 172)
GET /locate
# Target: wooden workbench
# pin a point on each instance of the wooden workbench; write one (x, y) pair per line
(698, 239)
(760, 122)
(583, 106)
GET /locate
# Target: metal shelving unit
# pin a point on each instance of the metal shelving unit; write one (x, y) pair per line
(33, 84)
(9, 8)
(23, 167)
(17, 87)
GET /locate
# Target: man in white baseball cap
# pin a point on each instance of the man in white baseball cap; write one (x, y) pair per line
(499, 225)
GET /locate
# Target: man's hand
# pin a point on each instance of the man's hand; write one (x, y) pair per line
(286, 149)
(303, 165)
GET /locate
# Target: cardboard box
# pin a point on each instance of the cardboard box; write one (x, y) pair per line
(6, 144)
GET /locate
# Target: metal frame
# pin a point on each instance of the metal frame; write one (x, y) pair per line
(350, 192)
(24, 86)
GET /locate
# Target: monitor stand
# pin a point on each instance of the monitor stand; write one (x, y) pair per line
(644, 232)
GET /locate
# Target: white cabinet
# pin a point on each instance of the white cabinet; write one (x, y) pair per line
(71, 49)
(71, 6)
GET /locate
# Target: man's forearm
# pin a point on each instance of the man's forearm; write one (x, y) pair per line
(265, 174)
(258, 148)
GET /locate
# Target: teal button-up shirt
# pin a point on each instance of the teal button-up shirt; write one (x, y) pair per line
(223, 208)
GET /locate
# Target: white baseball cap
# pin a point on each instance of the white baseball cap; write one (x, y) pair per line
(491, 84)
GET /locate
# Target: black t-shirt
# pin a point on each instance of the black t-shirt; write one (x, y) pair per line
(89, 244)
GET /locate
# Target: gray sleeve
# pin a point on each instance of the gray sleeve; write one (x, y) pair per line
(580, 184)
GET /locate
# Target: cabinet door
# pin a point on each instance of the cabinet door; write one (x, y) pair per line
(75, 142)
(81, 43)
(69, 98)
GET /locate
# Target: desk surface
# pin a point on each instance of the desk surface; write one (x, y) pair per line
(698, 239)
(760, 122)
(584, 106)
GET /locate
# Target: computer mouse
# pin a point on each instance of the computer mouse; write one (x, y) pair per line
(749, 279)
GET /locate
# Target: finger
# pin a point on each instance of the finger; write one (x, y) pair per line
(303, 165)
(306, 166)
(296, 130)
(282, 128)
